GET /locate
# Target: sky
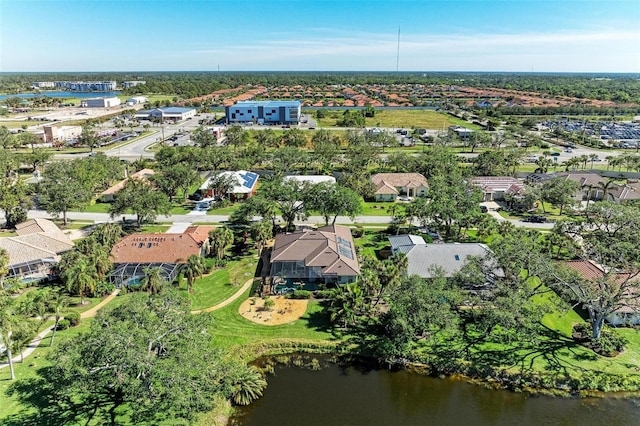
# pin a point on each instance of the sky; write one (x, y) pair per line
(320, 35)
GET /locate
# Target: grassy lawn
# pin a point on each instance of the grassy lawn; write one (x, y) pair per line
(232, 330)
(222, 283)
(224, 210)
(10, 404)
(371, 242)
(425, 119)
(374, 208)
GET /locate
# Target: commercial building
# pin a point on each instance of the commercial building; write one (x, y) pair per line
(100, 102)
(136, 100)
(53, 134)
(166, 113)
(264, 112)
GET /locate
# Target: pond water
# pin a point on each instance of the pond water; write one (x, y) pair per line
(63, 94)
(361, 395)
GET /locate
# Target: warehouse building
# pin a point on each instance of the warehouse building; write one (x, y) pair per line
(100, 102)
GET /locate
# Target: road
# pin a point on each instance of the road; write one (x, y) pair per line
(204, 218)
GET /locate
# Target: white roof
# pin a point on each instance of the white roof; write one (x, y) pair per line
(311, 178)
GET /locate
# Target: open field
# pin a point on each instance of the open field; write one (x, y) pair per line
(425, 119)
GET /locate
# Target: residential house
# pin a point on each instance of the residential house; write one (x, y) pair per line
(388, 186)
(312, 257)
(245, 185)
(108, 195)
(461, 132)
(137, 252)
(35, 250)
(424, 259)
(629, 311)
(311, 179)
(495, 188)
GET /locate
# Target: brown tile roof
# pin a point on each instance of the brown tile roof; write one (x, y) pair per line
(36, 225)
(398, 180)
(141, 174)
(330, 247)
(155, 248)
(200, 233)
(37, 239)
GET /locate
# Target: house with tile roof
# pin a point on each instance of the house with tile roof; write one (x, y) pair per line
(628, 308)
(35, 250)
(388, 186)
(137, 252)
(312, 257)
(495, 188)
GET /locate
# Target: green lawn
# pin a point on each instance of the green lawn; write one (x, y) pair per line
(232, 330)
(222, 283)
(10, 404)
(374, 208)
(425, 119)
(227, 211)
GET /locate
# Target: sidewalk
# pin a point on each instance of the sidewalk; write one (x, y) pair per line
(224, 303)
(90, 313)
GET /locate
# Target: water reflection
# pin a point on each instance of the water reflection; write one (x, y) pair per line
(362, 395)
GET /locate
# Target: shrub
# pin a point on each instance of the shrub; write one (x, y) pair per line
(63, 324)
(268, 303)
(73, 318)
(301, 294)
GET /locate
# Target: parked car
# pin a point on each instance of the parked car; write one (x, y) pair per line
(484, 209)
(535, 219)
(405, 198)
(196, 196)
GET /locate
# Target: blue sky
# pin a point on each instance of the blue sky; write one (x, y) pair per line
(324, 35)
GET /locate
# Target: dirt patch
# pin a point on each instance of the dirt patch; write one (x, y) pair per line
(284, 310)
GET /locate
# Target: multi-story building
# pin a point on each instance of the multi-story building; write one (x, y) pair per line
(133, 83)
(87, 86)
(43, 85)
(53, 134)
(264, 112)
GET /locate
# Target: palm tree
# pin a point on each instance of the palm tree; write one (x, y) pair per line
(57, 304)
(221, 238)
(592, 158)
(605, 187)
(80, 278)
(248, 384)
(152, 281)
(4, 266)
(192, 269)
(589, 187)
(261, 232)
(9, 320)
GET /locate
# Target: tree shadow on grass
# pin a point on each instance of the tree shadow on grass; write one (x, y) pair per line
(318, 320)
(45, 405)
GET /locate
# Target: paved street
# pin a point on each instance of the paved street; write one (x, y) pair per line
(182, 220)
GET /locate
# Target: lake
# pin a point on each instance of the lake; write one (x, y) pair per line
(362, 395)
(63, 94)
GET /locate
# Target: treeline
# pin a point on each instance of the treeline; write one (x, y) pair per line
(621, 88)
